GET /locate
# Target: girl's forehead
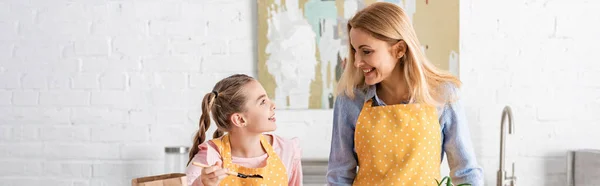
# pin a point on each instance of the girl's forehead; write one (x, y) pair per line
(253, 88)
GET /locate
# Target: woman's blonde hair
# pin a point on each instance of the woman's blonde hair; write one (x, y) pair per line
(389, 23)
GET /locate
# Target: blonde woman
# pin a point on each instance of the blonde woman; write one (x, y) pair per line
(397, 114)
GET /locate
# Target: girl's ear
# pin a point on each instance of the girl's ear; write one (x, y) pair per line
(238, 120)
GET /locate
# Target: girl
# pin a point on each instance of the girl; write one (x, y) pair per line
(397, 113)
(241, 109)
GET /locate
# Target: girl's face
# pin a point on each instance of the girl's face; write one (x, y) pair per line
(260, 110)
(373, 57)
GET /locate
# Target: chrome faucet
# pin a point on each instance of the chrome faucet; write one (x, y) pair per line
(503, 179)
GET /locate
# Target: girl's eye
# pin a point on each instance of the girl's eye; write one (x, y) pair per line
(262, 102)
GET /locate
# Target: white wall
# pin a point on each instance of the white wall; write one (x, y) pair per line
(91, 92)
(539, 58)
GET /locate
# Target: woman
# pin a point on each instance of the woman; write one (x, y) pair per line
(397, 113)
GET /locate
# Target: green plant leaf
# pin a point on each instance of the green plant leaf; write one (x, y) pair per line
(442, 182)
(449, 182)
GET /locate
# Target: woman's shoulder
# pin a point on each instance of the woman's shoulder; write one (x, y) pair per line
(355, 100)
(449, 92)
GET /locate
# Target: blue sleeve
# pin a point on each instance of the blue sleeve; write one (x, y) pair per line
(458, 146)
(342, 157)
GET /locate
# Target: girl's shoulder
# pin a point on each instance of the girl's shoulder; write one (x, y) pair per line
(286, 146)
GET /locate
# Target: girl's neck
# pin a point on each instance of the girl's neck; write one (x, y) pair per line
(246, 145)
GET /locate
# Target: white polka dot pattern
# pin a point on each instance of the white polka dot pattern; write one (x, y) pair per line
(274, 173)
(398, 145)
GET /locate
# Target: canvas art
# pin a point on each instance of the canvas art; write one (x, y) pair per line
(303, 43)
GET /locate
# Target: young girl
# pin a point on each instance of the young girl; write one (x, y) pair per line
(242, 111)
(397, 113)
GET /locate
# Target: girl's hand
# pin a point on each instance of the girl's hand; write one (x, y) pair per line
(212, 176)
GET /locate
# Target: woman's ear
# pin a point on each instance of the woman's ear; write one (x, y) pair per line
(400, 49)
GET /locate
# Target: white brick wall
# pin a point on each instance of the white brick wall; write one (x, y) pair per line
(538, 58)
(91, 92)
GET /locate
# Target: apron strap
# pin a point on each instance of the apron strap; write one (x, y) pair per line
(265, 144)
(368, 103)
(226, 150)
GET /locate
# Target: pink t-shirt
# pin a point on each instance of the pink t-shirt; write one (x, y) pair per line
(288, 150)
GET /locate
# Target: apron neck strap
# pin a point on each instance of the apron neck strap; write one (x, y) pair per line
(368, 103)
(226, 151)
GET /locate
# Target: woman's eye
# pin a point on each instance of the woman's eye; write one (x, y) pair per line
(366, 52)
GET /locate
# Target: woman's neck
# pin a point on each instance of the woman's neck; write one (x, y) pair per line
(394, 89)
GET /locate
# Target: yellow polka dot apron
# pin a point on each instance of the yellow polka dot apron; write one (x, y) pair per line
(274, 173)
(397, 145)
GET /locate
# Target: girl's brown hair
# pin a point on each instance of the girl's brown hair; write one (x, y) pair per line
(225, 99)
